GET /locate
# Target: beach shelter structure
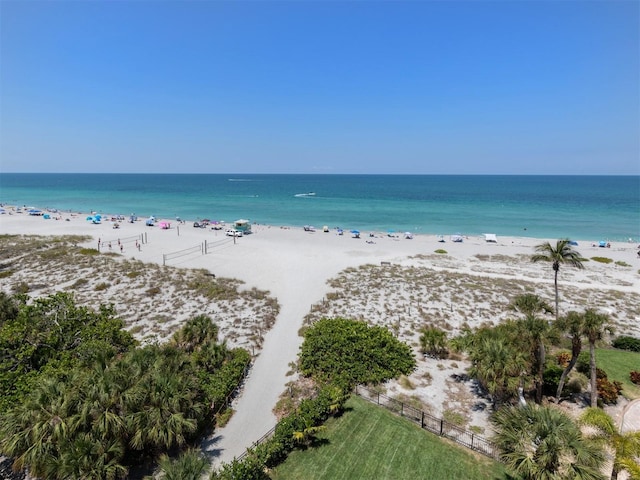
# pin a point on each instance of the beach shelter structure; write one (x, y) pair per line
(490, 237)
(456, 238)
(242, 225)
(355, 233)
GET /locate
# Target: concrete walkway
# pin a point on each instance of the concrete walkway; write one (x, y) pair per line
(630, 421)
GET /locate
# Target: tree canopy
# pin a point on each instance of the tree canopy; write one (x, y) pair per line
(349, 352)
(91, 415)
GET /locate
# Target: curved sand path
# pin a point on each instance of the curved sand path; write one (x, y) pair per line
(298, 279)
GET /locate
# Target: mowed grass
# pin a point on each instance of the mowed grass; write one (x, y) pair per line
(368, 442)
(618, 364)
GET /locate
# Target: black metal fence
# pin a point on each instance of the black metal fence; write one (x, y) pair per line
(433, 424)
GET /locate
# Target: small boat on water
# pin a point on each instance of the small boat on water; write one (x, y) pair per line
(308, 194)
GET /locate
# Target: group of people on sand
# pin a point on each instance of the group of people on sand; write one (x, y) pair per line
(120, 244)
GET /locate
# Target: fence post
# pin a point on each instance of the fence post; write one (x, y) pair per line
(164, 257)
(472, 441)
(422, 420)
(441, 426)
(378, 398)
(401, 409)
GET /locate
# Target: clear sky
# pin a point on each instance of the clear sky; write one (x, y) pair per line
(479, 87)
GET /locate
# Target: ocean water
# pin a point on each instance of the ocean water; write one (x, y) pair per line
(576, 207)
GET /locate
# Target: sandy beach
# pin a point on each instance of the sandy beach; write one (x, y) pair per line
(385, 280)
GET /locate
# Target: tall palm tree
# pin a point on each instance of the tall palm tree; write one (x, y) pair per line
(626, 446)
(534, 331)
(594, 327)
(543, 443)
(572, 323)
(562, 253)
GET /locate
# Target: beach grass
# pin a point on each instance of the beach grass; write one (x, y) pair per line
(370, 442)
(618, 364)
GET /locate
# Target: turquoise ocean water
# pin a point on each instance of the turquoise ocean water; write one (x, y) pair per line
(577, 207)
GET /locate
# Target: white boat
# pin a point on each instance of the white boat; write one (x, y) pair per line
(309, 194)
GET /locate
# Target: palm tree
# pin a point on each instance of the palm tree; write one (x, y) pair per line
(33, 431)
(594, 327)
(433, 340)
(573, 324)
(197, 332)
(543, 443)
(498, 365)
(534, 331)
(190, 465)
(561, 253)
(626, 446)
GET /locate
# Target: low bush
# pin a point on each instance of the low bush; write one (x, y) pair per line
(441, 251)
(625, 342)
(635, 377)
(577, 383)
(601, 259)
(563, 358)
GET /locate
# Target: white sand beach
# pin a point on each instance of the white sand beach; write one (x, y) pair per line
(295, 266)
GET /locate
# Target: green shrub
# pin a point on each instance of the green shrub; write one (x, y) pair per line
(620, 263)
(101, 286)
(577, 383)
(79, 282)
(349, 353)
(583, 363)
(153, 291)
(20, 288)
(441, 251)
(601, 259)
(551, 378)
(89, 251)
(6, 273)
(627, 343)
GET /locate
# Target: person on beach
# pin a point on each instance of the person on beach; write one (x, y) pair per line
(121, 247)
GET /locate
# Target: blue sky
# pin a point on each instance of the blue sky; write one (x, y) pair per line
(521, 87)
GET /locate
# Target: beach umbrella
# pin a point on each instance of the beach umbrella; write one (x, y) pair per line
(355, 232)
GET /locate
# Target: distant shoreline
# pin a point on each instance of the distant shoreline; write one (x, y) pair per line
(109, 219)
(578, 207)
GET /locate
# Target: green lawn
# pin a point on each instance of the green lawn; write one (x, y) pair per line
(369, 442)
(618, 364)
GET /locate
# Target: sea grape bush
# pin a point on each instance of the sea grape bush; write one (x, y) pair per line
(627, 343)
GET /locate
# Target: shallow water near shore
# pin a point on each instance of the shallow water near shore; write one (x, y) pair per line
(578, 207)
